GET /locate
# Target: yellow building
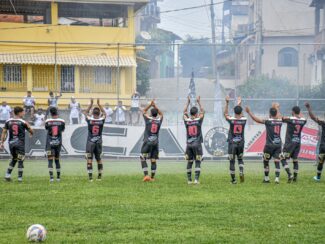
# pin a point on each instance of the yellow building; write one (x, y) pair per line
(78, 47)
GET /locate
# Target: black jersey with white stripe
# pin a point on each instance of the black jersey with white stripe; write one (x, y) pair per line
(152, 128)
(54, 128)
(273, 131)
(294, 129)
(236, 132)
(95, 129)
(193, 129)
(16, 129)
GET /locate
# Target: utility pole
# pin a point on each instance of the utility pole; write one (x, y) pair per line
(258, 40)
(214, 48)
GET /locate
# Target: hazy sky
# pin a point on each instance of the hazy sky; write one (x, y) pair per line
(195, 22)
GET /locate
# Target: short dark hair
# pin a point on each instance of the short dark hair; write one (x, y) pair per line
(29, 92)
(18, 110)
(154, 112)
(238, 110)
(296, 110)
(96, 111)
(273, 112)
(51, 93)
(53, 111)
(194, 111)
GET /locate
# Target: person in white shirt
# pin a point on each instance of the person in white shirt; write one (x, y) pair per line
(29, 103)
(5, 112)
(109, 112)
(52, 102)
(135, 104)
(74, 108)
(120, 114)
(39, 118)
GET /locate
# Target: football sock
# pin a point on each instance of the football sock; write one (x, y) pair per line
(189, 170)
(100, 169)
(144, 166)
(58, 168)
(232, 169)
(319, 168)
(153, 169)
(266, 168)
(197, 169)
(50, 166)
(241, 166)
(11, 166)
(277, 168)
(286, 166)
(295, 169)
(20, 168)
(90, 170)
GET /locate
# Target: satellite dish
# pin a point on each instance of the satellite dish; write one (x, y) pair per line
(145, 35)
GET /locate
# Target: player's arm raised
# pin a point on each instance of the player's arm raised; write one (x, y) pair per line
(255, 118)
(3, 137)
(311, 114)
(202, 111)
(186, 106)
(159, 111)
(145, 110)
(226, 111)
(101, 108)
(86, 113)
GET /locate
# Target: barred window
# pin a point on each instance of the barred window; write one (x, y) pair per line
(288, 57)
(103, 75)
(12, 73)
(67, 78)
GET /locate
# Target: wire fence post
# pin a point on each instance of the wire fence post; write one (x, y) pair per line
(177, 82)
(55, 68)
(118, 82)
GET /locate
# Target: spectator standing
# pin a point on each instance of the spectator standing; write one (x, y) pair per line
(52, 102)
(29, 103)
(39, 118)
(120, 113)
(5, 112)
(135, 104)
(74, 108)
(109, 112)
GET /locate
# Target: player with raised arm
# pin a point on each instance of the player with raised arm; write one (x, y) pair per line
(273, 145)
(236, 139)
(321, 154)
(291, 147)
(150, 147)
(193, 124)
(16, 128)
(54, 126)
(95, 122)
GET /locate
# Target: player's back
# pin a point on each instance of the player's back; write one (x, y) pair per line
(16, 128)
(294, 129)
(193, 129)
(236, 129)
(54, 128)
(273, 131)
(95, 129)
(152, 128)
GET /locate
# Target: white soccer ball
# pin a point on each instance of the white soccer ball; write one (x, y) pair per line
(36, 233)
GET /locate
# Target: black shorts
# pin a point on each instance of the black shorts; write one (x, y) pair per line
(236, 149)
(194, 151)
(150, 150)
(134, 109)
(52, 150)
(17, 151)
(94, 150)
(272, 151)
(291, 150)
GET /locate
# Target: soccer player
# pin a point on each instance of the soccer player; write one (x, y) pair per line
(193, 124)
(321, 154)
(236, 139)
(273, 145)
(16, 128)
(54, 126)
(150, 146)
(292, 143)
(95, 122)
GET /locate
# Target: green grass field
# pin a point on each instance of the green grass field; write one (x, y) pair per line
(123, 209)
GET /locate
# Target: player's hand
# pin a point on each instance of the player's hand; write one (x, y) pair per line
(227, 99)
(307, 104)
(91, 100)
(1, 146)
(276, 106)
(188, 99)
(239, 100)
(248, 110)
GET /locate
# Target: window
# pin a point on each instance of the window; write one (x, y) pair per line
(102, 75)
(12, 73)
(67, 78)
(288, 57)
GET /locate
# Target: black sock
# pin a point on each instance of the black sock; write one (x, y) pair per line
(144, 166)
(11, 166)
(241, 166)
(153, 169)
(266, 168)
(197, 169)
(20, 168)
(90, 170)
(277, 168)
(58, 168)
(286, 166)
(232, 169)
(295, 169)
(189, 170)
(50, 167)
(100, 170)
(319, 168)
